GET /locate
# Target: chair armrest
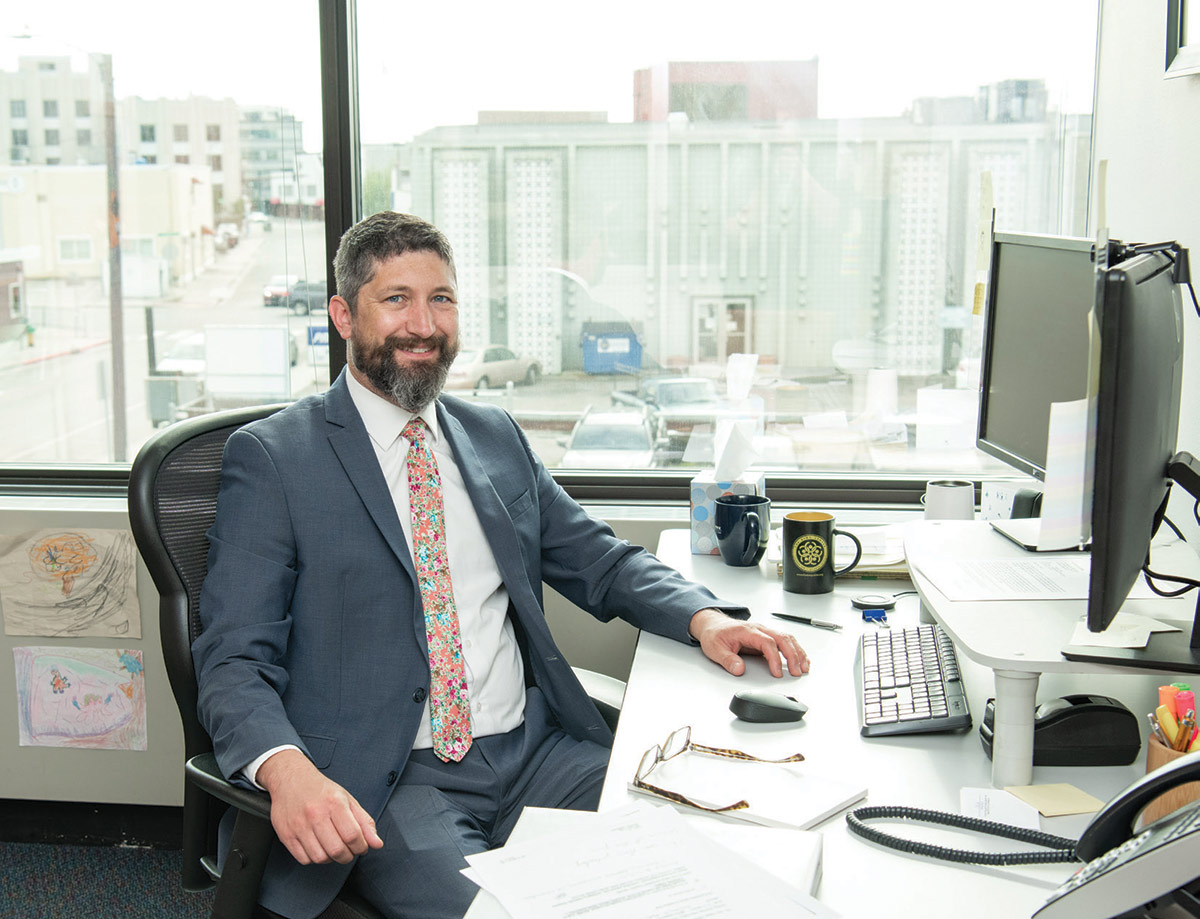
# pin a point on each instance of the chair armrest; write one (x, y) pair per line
(203, 771)
(607, 692)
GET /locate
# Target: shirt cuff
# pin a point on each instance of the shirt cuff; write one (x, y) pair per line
(250, 771)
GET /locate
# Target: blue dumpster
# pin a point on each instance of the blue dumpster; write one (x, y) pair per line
(611, 352)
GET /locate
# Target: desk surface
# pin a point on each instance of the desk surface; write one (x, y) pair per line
(672, 684)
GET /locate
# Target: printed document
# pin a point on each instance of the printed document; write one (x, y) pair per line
(642, 860)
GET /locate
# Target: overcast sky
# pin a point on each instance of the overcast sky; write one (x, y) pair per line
(424, 64)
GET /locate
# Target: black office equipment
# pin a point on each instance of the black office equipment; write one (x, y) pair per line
(1077, 730)
(1137, 422)
(759, 705)
(1040, 291)
(908, 682)
(1132, 871)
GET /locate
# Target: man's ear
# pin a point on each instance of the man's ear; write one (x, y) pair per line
(339, 312)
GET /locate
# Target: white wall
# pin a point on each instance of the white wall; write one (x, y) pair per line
(1148, 134)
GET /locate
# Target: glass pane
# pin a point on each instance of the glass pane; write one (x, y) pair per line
(639, 195)
(213, 158)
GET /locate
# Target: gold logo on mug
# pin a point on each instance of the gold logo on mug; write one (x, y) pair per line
(809, 553)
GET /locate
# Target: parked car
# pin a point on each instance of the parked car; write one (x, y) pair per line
(495, 365)
(308, 297)
(613, 440)
(228, 235)
(275, 292)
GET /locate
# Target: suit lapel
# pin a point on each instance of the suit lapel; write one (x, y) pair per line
(497, 524)
(349, 439)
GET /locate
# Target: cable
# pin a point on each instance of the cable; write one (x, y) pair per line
(1061, 849)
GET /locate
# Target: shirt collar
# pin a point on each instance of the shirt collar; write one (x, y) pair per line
(385, 420)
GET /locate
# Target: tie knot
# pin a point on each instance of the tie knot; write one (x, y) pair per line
(414, 432)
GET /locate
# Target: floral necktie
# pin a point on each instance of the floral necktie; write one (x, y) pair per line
(449, 712)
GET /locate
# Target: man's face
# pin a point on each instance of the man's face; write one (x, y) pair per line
(404, 334)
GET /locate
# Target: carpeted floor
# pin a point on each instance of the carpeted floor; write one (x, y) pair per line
(48, 881)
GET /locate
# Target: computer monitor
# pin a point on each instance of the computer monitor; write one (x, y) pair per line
(1035, 342)
(1140, 317)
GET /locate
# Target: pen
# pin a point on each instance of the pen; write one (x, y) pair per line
(808, 620)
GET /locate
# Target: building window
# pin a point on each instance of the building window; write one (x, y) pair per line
(147, 133)
(20, 137)
(182, 159)
(83, 108)
(149, 159)
(83, 137)
(52, 137)
(212, 132)
(74, 249)
(214, 163)
(50, 108)
(16, 108)
(181, 133)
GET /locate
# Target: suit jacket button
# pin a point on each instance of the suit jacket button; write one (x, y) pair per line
(419, 695)
(391, 778)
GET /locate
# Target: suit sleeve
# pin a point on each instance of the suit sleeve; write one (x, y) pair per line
(609, 577)
(244, 610)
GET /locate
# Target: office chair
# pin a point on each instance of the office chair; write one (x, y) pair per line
(173, 487)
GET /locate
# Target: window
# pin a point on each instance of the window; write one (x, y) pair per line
(83, 137)
(50, 108)
(51, 137)
(181, 158)
(695, 196)
(180, 133)
(807, 194)
(148, 159)
(16, 108)
(83, 108)
(75, 249)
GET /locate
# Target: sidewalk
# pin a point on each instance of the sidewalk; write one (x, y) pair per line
(48, 343)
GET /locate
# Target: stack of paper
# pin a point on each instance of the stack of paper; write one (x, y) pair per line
(642, 860)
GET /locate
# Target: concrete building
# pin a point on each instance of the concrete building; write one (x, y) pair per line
(271, 138)
(709, 238)
(726, 91)
(50, 114)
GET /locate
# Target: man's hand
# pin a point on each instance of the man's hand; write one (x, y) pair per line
(722, 637)
(317, 819)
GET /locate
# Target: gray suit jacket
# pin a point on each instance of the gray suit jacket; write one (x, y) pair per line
(313, 632)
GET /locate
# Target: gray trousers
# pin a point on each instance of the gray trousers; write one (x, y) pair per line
(441, 812)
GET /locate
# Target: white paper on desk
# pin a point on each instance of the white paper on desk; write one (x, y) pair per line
(1065, 518)
(778, 795)
(1031, 577)
(1127, 630)
(637, 861)
(999, 806)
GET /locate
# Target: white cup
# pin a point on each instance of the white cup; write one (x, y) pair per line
(949, 499)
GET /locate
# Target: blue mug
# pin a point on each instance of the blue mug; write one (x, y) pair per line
(742, 524)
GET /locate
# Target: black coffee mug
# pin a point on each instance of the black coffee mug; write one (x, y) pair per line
(808, 552)
(742, 524)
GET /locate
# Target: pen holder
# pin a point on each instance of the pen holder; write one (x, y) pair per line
(1158, 754)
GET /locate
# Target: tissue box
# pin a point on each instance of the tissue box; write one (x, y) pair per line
(705, 490)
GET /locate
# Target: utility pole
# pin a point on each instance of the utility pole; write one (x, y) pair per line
(115, 297)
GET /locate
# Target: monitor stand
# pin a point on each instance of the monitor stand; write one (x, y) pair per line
(1166, 652)
(1171, 652)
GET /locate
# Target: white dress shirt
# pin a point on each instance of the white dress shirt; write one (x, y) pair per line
(492, 658)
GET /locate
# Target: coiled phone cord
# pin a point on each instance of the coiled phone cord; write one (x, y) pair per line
(1061, 848)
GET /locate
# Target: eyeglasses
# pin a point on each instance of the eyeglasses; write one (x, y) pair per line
(679, 742)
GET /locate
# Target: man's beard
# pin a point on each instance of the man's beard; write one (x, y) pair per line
(412, 387)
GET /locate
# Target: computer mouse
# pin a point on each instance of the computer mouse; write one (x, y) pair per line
(758, 705)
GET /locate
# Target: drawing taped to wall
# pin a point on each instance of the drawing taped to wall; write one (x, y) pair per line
(69, 583)
(90, 698)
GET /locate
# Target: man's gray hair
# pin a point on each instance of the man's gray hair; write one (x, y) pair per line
(377, 238)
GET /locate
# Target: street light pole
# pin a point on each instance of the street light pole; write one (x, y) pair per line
(115, 297)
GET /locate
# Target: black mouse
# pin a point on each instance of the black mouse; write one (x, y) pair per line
(758, 705)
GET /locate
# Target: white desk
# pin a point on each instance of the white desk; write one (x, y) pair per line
(1019, 640)
(671, 684)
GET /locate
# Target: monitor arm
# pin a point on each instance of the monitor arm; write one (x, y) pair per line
(1184, 469)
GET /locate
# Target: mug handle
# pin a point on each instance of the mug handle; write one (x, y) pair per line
(753, 528)
(857, 551)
